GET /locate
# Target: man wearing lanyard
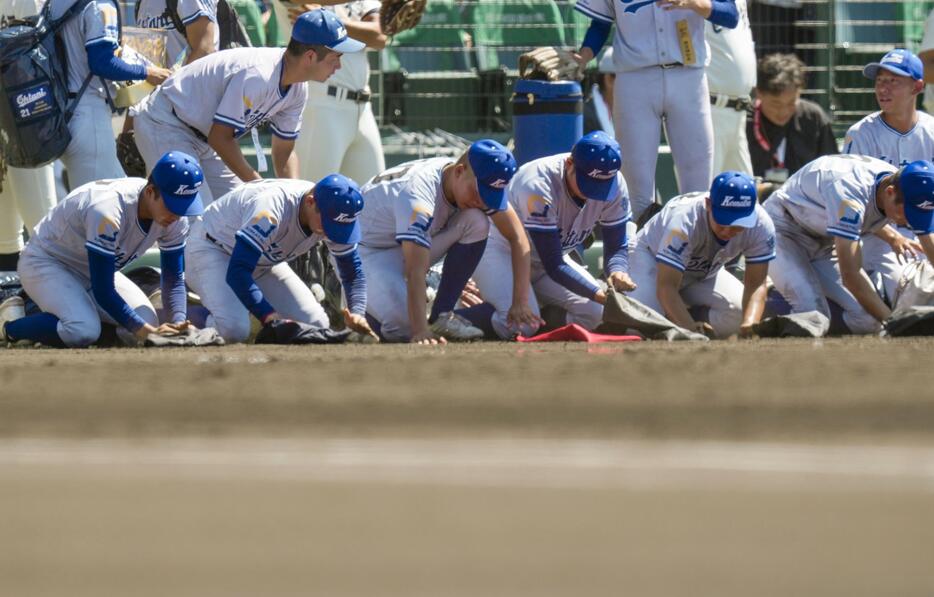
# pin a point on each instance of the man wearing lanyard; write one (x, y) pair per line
(785, 131)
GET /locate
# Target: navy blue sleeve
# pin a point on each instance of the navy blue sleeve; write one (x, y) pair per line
(104, 63)
(548, 246)
(350, 269)
(724, 13)
(174, 296)
(103, 268)
(596, 35)
(615, 249)
(240, 278)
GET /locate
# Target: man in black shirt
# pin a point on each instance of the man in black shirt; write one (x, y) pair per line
(785, 132)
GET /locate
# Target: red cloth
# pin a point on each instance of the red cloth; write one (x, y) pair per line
(575, 333)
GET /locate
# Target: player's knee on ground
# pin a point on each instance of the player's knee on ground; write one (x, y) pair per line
(860, 322)
(587, 314)
(474, 226)
(79, 334)
(233, 330)
(726, 319)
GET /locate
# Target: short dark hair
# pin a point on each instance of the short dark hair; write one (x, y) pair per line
(297, 48)
(777, 73)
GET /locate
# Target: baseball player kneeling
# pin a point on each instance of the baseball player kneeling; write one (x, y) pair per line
(560, 199)
(820, 215)
(70, 267)
(422, 211)
(679, 254)
(238, 253)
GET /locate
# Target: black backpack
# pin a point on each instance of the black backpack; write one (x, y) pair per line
(35, 105)
(232, 32)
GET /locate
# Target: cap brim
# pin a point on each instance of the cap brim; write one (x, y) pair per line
(730, 219)
(348, 46)
(184, 205)
(872, 69)
(920, 220)
(597, 190)
(493, 198)
(344, 234)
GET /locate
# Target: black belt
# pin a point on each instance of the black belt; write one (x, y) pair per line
(670, 65)
(740, 104)
(213, 240)
(361, 97)
(196, 132)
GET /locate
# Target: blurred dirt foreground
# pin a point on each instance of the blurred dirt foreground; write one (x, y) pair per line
(724, 469)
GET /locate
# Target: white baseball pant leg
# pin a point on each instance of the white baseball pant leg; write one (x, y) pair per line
(722, 294)
(494, 278)
(805, 273)
(159, 131)
(643, 269)
(27, 195)
(879, 258)
(730, 148)
(688, 126)
(61, 291)
(583, 311)
(384, 268)
(92, 153)
(338, 135)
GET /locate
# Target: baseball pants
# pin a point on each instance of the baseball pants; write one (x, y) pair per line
(880, 259)
(92, 153)
(721, 293)
(642, 99)
(730, 148)
(494, 279)
(338, 135)
(159, 131)
(65, 293)
(384, 268)
(206, 273)
(28, 194)
(805, 272)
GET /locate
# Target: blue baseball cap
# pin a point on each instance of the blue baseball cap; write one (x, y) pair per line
(733, 199)
(339, 200)
(900, 62)
(322, 28)
(178, 176)
(596, 160)
(917, 184)
(494, 166)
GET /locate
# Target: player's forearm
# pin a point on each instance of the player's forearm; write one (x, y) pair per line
(720, 12)
(861, 288)
(367, 31)
(239, 277)
(927, 243)
(416, 270)
(353, 281)
(887, 233)
(174, 293)
(222, 141)
(200, 35)
(521, 254)
(753, 303)
(284, 160)
(675, 309)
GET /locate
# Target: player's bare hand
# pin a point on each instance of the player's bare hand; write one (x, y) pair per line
(274, 316)
(702, 7)
(358, 323)
(906, 249)
(621, 282)
(583, 57)
(157, 76)
(521, 317)
(426, 337)
(297, 11)
(746, 331)
(702, 327)
(169, 329)
(471, 297)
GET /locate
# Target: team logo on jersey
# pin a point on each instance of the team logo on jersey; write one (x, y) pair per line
(419, 213)
(107, 230)
(634, 5)
(264, 223)
(538, 206)
(847, 207)
(676, 242)
(731, 201)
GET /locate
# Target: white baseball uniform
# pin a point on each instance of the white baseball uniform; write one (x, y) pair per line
(92, 153)
(102, 217)
(680, 236)
(339, 134)
(659, 57)
(238, 88)
(265, 214)
(407, 203)
(832, 196)
(27, 194)
(873, 137)
(541, 199)
(152, 15)
(927, 44)
(731, 76)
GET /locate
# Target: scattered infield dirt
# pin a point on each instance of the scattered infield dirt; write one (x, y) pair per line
(830, 390)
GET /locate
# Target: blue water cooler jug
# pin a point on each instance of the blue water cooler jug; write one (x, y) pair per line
(547, 118)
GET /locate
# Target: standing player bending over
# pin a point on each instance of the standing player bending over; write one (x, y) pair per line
(239, 252)
(560, 199)
(679, 256)
(70, 267)
(421, 211)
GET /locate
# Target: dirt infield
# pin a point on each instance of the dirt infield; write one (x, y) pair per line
(826, 390)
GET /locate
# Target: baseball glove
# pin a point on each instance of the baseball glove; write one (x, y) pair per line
(129, 156)
(549, 64)
(398, 15)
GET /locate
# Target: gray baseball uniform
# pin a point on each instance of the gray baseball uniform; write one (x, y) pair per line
(151, 15)
(680, 236)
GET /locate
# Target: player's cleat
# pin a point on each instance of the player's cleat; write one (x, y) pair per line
(10, 310)
(455, 328)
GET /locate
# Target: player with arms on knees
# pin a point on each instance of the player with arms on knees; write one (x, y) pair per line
(239, 252)
(679, 254)
(560, 199)
(422, 211)
(70, 267)
(820, 215)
